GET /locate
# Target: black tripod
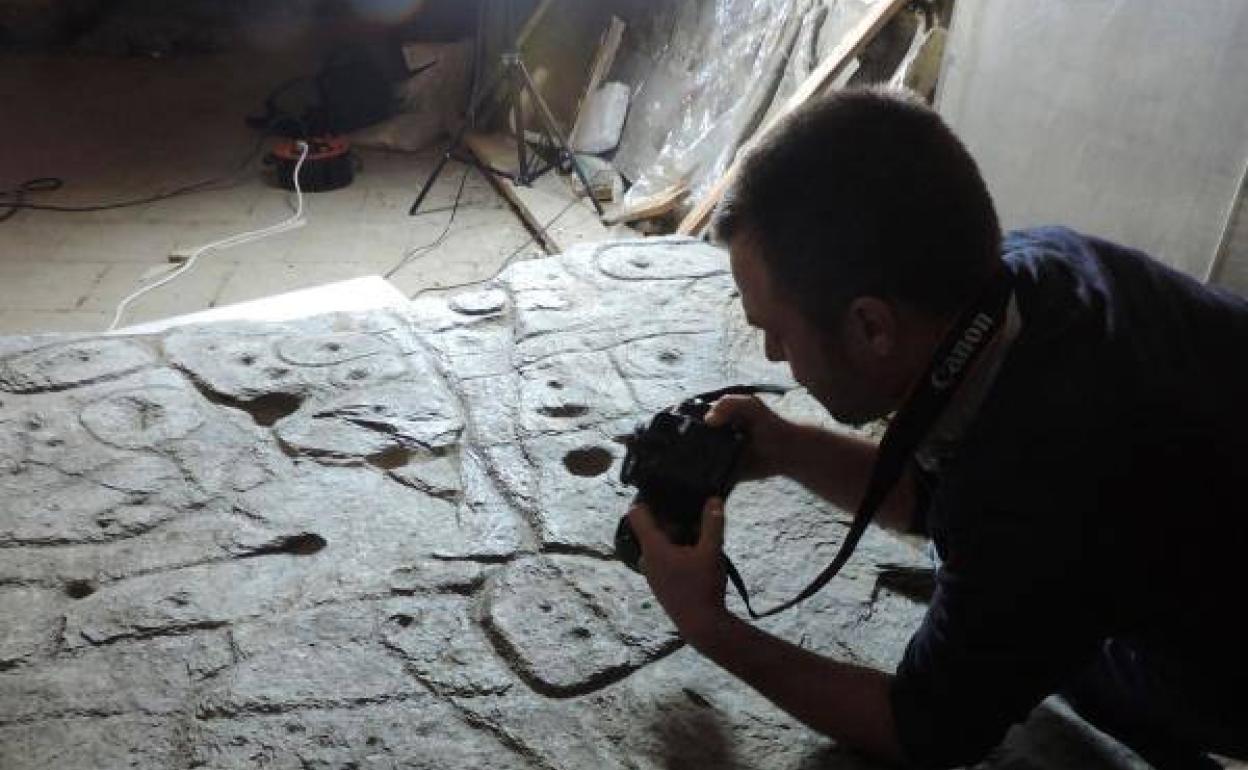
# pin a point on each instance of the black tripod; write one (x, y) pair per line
(512, 73)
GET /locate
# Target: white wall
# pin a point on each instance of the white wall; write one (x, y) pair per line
(1123, 118)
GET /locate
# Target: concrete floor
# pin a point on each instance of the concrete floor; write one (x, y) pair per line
(119, 129)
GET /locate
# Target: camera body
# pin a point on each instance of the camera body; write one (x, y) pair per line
(677, 462)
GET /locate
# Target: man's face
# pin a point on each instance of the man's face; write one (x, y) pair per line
(839, 367)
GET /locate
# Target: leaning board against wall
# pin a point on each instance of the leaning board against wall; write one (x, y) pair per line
(1127, 120)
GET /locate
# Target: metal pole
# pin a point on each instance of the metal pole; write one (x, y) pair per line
(552, 128)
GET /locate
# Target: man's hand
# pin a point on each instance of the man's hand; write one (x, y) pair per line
(770, 435)
(848, 703)
(835, 466)
(688, 581)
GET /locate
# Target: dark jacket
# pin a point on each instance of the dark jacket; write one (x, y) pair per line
(1099, 493)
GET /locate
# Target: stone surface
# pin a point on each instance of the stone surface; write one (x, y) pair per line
(373, 422)
(479, 302)
(384, 540)
(149, 677)
(90, 742)
(59, 367)
(446, 647)
(32, 619)
(420, 732)
(571, 625)
(680, 711)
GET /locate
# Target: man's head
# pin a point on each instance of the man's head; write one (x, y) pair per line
(859, 228)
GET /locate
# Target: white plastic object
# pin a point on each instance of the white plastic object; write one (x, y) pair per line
(602, 120)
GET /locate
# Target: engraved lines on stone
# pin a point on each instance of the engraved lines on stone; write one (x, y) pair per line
(65, 366)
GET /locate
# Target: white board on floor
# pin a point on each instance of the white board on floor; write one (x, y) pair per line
(356, 295)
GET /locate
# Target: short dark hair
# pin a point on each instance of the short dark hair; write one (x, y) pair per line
(865, 192)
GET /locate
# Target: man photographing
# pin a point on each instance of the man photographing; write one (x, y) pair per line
(1082, 488)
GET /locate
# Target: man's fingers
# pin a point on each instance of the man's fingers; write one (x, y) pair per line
(733, 409)
(712, 537)
(645, 527)
(653, 540)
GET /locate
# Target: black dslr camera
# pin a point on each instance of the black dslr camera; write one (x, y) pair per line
(677, 462)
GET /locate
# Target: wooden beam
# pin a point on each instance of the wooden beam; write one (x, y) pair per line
(850, 46)
(608, 47)
(530, 25)
(653, 206)
(549, 209)
(1234, 231)
(496, 152)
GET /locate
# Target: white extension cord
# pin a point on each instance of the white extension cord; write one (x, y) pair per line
(292, 223)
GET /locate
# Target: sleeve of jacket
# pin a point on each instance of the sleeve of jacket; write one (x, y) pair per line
(986, 654)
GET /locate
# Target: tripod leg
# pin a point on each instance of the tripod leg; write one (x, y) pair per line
(552, 128)
(437, 171)
(474, 110)
(524, 176)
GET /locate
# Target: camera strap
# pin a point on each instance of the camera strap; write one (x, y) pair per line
(967, 338)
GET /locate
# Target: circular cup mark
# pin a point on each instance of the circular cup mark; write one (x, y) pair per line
(79, 589)
(305, 544)
(563, 410)
(588, 462)
(266, 410)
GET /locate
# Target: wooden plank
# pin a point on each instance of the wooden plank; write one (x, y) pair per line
(570, 219)
(1232, 250)
(559, 52)
(530, 25)
(647, 208)
(603, 61)
(849, 47)
(549, 200)
(606, 55)
(494, 151)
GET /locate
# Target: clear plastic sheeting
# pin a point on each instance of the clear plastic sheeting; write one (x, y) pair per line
(722, 69)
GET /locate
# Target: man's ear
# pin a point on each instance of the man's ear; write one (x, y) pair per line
(871, 328)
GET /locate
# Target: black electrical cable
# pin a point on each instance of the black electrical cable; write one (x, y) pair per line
(412, 255)
(11, 201)
(506, 262)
